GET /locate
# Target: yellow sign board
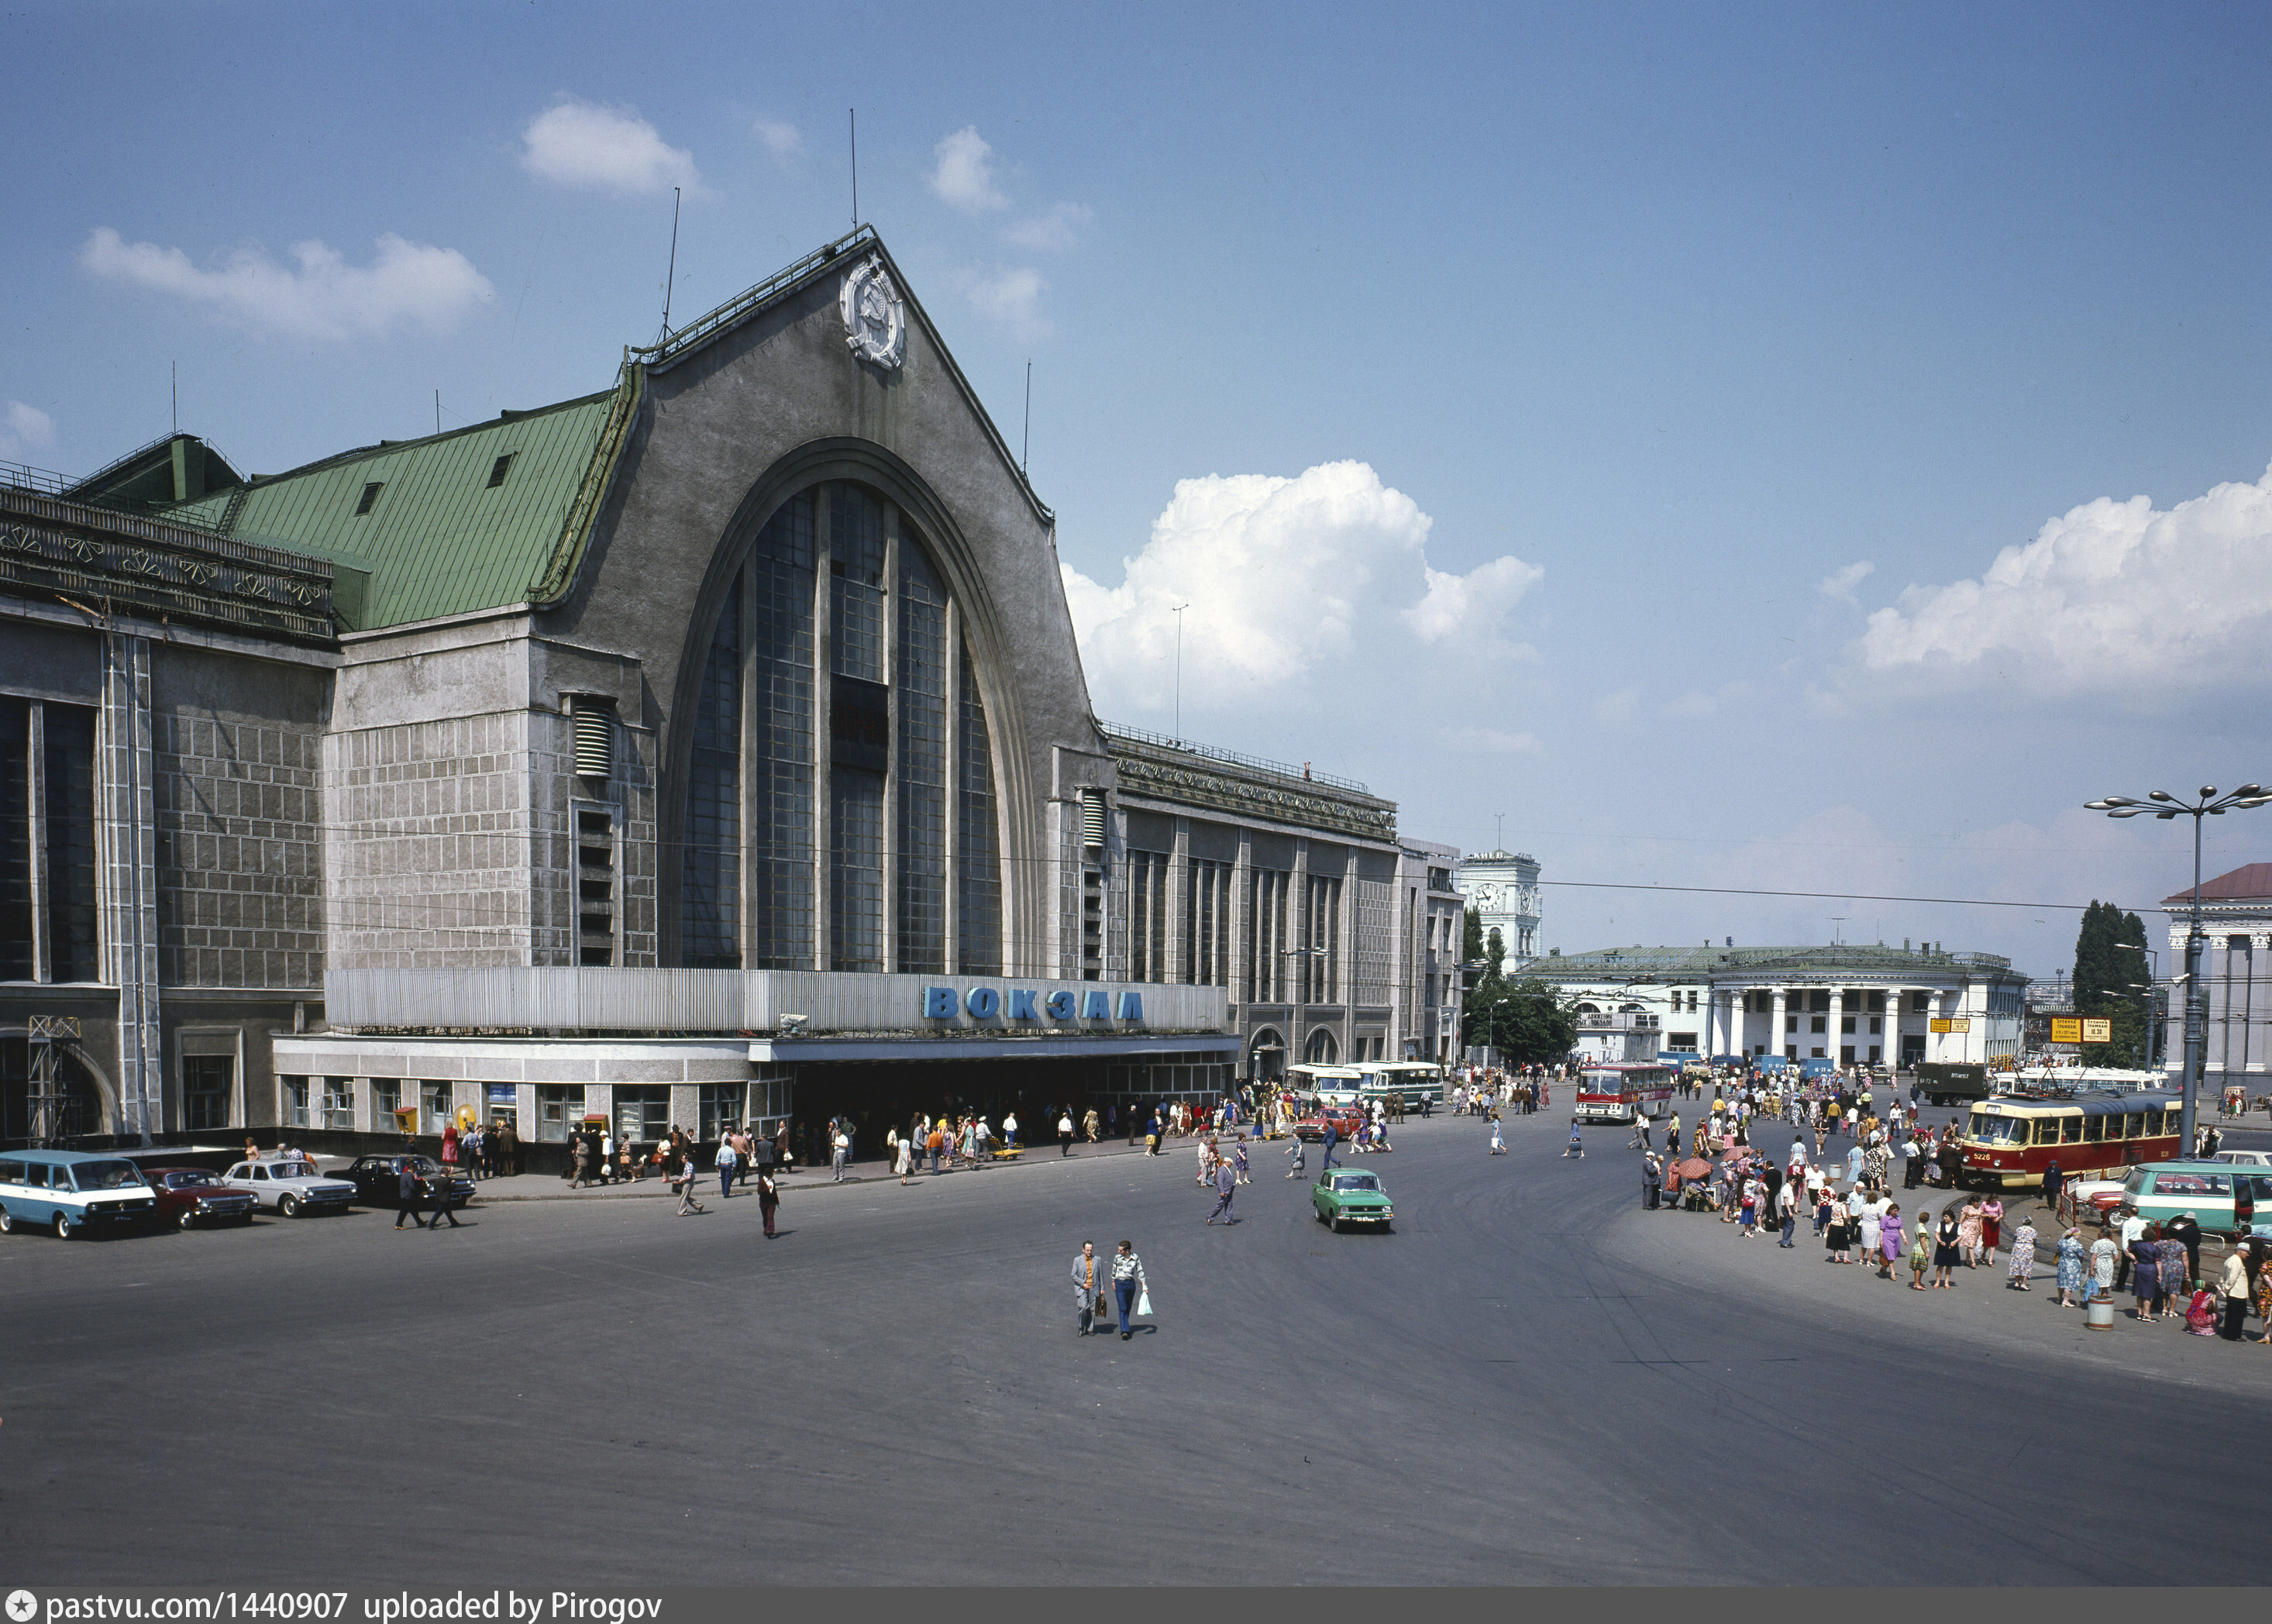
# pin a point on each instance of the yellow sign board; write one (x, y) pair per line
(1961, 1023)
(2097, 1030)
(2065, 1029)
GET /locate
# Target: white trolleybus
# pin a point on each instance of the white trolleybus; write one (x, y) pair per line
(1622, 1093)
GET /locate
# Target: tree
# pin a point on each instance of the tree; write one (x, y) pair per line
(2108, 963)
(1523, 1020)
(1471, 936)
(1495, 953)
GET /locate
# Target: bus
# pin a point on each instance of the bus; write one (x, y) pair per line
(2008, 1141)
(1619, 1093)
(1413, 1081)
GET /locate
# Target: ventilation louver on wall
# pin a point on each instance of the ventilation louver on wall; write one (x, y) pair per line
(1091, 819)
(595, 722)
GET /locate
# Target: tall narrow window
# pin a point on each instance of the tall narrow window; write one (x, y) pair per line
(68, 732)
(1147, 915)
(855, 590)
(1206, 924)
(978, 902)
(782, 843)
(15, 841)
(711, 885)
(920, 684)
(856, 887)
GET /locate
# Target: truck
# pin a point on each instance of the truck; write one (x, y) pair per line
(1951, 1083)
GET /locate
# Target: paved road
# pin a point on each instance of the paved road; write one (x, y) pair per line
(1532, 1380)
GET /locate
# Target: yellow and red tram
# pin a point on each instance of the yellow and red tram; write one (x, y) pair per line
(2009, 1140)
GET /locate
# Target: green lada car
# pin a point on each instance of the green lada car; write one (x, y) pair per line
(1351, 1198)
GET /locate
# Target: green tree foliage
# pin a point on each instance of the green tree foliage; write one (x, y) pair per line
(2107, 963)
(1523, 1020)
(1495, 953)
(1471, 936)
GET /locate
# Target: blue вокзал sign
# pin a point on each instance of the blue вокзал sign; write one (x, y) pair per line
(984, 1003)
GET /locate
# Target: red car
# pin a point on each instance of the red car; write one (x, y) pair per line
(1346, 1121)
(190, 1197)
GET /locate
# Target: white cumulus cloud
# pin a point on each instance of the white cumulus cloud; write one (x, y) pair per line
(1840, 583)
(965, 172)
(2112, 595)
(583, 144)
(782, 139)
(25, 429)
(1308, 586)
(1057, 229)
(319, 296)
(1011, 299)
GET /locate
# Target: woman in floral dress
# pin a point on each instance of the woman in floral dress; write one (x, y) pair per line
(2024, 1255)
(2070, 1267)
(1967, 1234)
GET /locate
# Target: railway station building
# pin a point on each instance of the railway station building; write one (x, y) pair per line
(1851, 1004)
(713, 748)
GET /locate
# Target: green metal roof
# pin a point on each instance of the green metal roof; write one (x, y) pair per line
(438, 539)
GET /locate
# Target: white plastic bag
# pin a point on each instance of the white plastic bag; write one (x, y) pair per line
(1143, 1301)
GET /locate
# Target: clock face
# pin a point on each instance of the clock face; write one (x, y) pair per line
(1487, 898)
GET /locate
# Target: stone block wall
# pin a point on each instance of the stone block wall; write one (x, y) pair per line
(438, 838)
(237, 804)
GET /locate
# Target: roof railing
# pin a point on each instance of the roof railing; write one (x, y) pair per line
(725, 315)
(47, 481)
(1138, 735)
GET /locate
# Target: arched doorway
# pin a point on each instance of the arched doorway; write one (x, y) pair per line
(1266, 1055)
(82, 1112)
(1323, 1048)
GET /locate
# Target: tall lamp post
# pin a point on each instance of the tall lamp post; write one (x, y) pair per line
(2165, 806)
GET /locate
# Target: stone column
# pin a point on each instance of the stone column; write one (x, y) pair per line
(1776, 1004)
(1832, 1036)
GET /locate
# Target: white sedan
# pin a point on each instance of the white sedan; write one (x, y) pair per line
(290, 1186)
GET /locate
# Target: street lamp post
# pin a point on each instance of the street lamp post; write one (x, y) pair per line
(2165, 806)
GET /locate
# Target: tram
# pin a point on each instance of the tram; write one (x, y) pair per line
(2008, 1142)
(1619, 1093)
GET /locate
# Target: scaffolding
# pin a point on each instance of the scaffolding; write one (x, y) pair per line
(53, 1114)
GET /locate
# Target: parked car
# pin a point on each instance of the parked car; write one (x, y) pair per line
(379, 1180)
(190, 1197)
(2091, 1201)
(1349, 1197)
(2244, 1158)
(2221, 1196)
(291, 1187)
(71, 1192)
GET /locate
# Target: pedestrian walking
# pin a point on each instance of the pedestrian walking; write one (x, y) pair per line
(1065, 1134)
(581, 1151)
(1127, 1281)
(1087, 1285)
(445, 1191)
(406, 1192)
(688, 1174)
(1326, 1161)
(1226, 1185)
(1499, 1145)
(768, 1198)
(1300, 1152)
(727, 1159)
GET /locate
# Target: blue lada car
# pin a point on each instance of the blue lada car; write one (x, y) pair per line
(71, 1193)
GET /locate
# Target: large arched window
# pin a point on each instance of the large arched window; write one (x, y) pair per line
(859, 759)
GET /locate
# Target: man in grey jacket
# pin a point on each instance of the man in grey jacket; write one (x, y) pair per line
(1087, 1284)
(1226, 1185)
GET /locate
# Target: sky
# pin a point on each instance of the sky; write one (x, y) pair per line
(1767, 448)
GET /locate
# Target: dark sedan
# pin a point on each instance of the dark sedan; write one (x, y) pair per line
(190, 1197)
(378, 1180)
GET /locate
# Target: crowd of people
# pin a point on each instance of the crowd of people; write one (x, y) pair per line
(1858, 1219)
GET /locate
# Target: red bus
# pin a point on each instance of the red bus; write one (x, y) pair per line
(2008, 1142)
(1619, 1093)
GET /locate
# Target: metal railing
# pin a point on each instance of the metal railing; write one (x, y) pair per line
(1138, 735)
(47, 481)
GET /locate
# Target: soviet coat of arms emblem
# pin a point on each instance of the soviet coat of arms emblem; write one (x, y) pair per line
(875, 317)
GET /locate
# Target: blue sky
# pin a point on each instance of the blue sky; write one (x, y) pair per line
(1516, 393)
